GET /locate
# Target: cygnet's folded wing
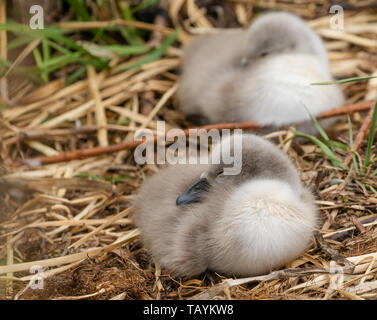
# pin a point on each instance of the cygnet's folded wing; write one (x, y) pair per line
(169, 231)
(262, 225)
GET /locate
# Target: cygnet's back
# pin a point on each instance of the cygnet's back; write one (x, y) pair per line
(245, 224)
(263, 74)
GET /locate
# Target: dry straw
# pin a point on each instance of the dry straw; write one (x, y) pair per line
(74, 218)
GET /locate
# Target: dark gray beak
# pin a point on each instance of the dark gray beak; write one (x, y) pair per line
(193, 193)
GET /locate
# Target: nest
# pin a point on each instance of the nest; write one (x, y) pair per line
(73, 219)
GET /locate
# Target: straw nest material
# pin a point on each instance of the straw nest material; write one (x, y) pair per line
(74, 219)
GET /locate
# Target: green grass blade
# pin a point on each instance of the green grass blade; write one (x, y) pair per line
(76, 75)
(316, 124)
(126, 50)
(132, 34)
(39, 62)
(355, 165)
(326, 150)
(17, 28)
(58, 47)
(373, 189)
(372, 131)
(37, 57)
(343, 80)
(18, 42)
(60, 60)
(79, 8)
(46, 54)
(143, 5)
(336, 145)
(78, 57)
(156, 54)
(46, 50)
(56, 34)
(82, 14)
(88, 176)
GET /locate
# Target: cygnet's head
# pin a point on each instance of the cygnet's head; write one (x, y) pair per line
(281, 32)
(257, 159)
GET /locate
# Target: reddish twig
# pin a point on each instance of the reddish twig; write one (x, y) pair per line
(359, 226)
(357, 107)
(97, 151)
(360, 135)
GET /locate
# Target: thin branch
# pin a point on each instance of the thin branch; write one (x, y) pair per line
(98, 151)
(347, 109)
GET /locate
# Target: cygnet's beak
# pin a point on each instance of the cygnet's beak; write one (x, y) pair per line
(193, 193)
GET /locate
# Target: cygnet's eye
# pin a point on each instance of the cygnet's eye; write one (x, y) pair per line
(264, 54)
(220, 176)
(219, 172)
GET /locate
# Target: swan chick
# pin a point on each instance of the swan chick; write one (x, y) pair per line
(262, 74)
(194, 217)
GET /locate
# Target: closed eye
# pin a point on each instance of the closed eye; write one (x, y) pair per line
(220, 171)
(263, 54)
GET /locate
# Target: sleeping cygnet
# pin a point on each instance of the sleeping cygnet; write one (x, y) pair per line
(196, 217)
(262, 74)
